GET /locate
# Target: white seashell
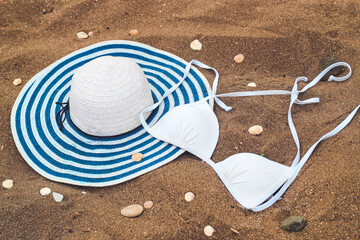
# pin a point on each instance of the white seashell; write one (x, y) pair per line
(209, 230)
(7, 184)
(17, 81)
(252, 84)
(131, 211)
(196, 45)
(189, 196)
(148, 204)
(133, 32)
(239, 58)
(136, 157)
(45, 191)
(256, 130)
(58, 197)
(82, 35)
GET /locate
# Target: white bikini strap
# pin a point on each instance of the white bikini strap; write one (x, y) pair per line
(331, 78)
(297, 168)
(296, 165)
(213, 95)
(215, 83)
(173, 88)
(295, 95)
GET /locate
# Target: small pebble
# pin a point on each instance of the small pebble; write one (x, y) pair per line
(293, 224)
(196, 45)
(133, 32)
(189, 196)
(209, 230)
(58, 197)
(131, 211)
(136, 157)
(76, 215)
(252, 84)
(327, 61)
(90, 33)
(45, 191)
(7, 184)
(333, 34)
(82, 35)
(17, 81)
(83, 192)
(47, 10)
(239, 58)
(148, 204)
(256, 130)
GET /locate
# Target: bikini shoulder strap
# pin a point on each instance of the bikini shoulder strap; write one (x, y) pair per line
(299, 163)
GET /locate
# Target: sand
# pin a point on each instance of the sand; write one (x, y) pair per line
(280, 41)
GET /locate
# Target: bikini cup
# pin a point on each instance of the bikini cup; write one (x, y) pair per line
(250, 178)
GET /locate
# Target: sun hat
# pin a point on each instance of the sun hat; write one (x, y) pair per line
(67, 153)
(107, 95)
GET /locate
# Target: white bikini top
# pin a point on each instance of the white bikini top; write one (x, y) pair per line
(254, 181)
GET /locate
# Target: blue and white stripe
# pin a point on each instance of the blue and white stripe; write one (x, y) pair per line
(70, 156)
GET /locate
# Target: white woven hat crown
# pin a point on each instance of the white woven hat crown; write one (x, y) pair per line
(107, 95)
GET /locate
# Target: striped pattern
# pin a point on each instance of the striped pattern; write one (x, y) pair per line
(70, 156)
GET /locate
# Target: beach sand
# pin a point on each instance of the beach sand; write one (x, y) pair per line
(280, 41)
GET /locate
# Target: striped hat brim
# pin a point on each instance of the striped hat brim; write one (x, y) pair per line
(71, 156)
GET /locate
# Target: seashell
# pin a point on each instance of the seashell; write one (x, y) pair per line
(196, 45)
(148, 204)
(131, 211)
(7, 184)
(82, 35)
(256, 130)
(189, 196)
(252, 84)
(136, 157)
(58, 197)
(45, 191)
(209, 230)
(239, 58)
(133, 32)
(17, 81)
(90, 33)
